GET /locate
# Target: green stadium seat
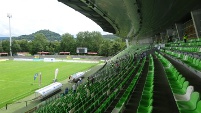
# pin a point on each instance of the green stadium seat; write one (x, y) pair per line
(173, 77)
(148, 89)
(80, 110)
(181, 91)
(147, 96)
(170, 70)
(191, 104)
(98, 110)
(88, 110)
(197, 110)
(146, 103)
(186, 96)
(196, 64)
(142, 109)
(177, 84)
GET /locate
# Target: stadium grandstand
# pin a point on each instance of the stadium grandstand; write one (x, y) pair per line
(159, 72)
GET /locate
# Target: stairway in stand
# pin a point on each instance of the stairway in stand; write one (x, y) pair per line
(163, 98)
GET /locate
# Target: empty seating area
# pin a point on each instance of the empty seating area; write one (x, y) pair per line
(189, 59)
(188, 100)
(192, 43)
(186, 53)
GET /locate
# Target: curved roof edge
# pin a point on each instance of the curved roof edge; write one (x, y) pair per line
(91, 11)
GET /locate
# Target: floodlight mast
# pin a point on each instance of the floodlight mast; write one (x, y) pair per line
(9, 16)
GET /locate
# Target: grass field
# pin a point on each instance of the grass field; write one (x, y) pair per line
(17, 77)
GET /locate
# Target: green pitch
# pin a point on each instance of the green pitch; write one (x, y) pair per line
(17, 77)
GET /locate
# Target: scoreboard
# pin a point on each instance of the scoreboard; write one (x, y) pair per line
(81, 50)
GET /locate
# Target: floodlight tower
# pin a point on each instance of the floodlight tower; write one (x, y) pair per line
(9, 16)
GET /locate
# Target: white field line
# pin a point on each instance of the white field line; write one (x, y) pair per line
(80, 61)
(57, 60)
(17, 81)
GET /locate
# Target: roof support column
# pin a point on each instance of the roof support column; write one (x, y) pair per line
(179, 29)
(162, 37)
(169, 33)
(196, 17)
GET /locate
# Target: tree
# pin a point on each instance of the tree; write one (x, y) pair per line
(82, 40)
(116, 47)
(121, 43)
(15, 47)
(51, 36)
(6, 46)
(39, 43)
(24, 45)
(53, 47)
(1, 47)
(91, 40)
(96, 41)
(56, 45)
(67, 43)
(111, 47)
(105, 48)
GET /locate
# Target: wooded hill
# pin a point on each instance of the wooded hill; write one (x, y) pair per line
(51, 36)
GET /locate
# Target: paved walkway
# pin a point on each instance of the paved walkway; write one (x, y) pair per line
(22, 106)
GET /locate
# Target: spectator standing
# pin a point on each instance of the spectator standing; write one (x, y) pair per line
(66, 91)
(74, 88)
(80, 80)
(185, 37)
(92, 80)
(88, 81)
(70, 78)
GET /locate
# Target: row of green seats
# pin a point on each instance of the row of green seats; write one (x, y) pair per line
(114, 83)
(179, 86)
(191, 42)
(145, 105)
(105, 104)
(185, 49)
(187, 59)
(146, 102)
(112, 87)
(123, 100)
(99, 94)
(98, 100)
(132, 49)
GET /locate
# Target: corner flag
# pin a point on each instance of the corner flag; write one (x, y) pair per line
(35, 76)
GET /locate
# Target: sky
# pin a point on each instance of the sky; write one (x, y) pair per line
(29, 16)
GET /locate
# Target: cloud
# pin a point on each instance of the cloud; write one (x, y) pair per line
(29, 16)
